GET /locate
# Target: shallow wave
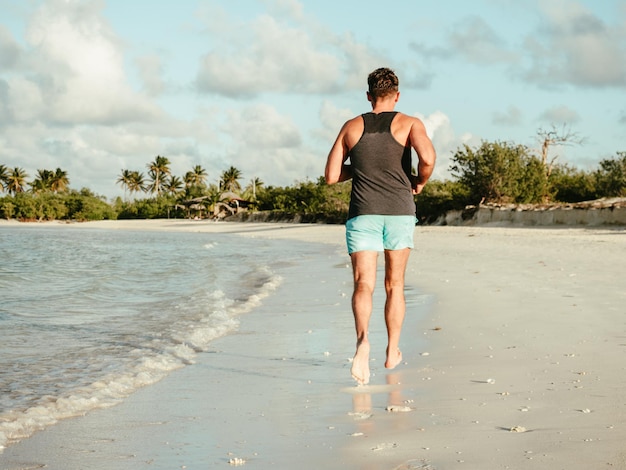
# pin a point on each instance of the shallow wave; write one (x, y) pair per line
(147, 363)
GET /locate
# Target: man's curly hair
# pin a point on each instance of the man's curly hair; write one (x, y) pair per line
(382, 82)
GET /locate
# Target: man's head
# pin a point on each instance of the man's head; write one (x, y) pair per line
(381, 83)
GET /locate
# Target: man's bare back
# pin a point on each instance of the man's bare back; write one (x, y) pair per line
(407, 130)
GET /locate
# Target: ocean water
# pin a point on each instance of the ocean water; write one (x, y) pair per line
(88, 316)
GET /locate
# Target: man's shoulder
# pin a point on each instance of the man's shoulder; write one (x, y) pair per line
(352, 131)
(355, 123)
(406, 117)
(406, 121)
(355, 120)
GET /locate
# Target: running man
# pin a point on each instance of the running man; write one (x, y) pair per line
(382, 209)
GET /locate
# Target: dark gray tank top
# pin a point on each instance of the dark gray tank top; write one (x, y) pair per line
(380, 171)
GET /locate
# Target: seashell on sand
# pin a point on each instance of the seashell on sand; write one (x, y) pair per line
(398, 409)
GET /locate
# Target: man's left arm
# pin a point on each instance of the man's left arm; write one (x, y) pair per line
(336, 169)
(426, 155)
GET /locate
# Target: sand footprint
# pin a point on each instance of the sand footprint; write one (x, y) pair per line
(385, 446)
(415, 465)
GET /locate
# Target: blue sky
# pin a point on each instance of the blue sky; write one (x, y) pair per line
(97, 86)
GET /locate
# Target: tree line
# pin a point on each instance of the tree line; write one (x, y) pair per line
(493, 172)
(160, 180)
(507, 173)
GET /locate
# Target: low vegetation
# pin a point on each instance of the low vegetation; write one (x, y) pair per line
(494, 172)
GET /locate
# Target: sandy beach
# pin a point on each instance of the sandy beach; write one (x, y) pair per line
(514, 358)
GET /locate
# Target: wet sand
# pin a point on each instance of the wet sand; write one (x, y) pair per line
(514, 356)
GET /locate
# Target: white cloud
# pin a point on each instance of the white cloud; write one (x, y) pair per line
(290, 8)
(263, 143)
(574, 46)
(126, 142)
(71, 104)
(445, 141)
(477, 42)
(270, 55)
(151, 72)
(9, 49)
(569, 45)
(473, 40)
(261, 126)
(24, 100)
(21, 147)
(357, 60)
(416, 75)
(94, 156)
(512, 116)
(270, 58)
(75, 69)
(331, 119)
(39, 148)
(560, 115)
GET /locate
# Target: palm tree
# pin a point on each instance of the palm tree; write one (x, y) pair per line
(125, 179)
(213, 199)
(16, 180)
(59, 181)
(196, 177)
(42, 182)
(253, 188)
(159, 168)
(229, 181)
(4, 175)
(136, 182)
(173, 185)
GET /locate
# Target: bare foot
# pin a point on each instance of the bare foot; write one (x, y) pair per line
(393, 359)
(361, 364)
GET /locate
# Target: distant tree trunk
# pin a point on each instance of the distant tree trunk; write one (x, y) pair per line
(550, 138)
(554, 136)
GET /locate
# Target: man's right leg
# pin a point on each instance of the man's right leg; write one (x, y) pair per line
(364, 272)
(395, 267)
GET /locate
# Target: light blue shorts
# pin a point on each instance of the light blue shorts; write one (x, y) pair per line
(380, 232)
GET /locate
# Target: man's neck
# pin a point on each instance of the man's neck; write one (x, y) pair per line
(386, 104)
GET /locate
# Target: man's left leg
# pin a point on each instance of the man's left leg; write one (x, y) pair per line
(395, 267)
